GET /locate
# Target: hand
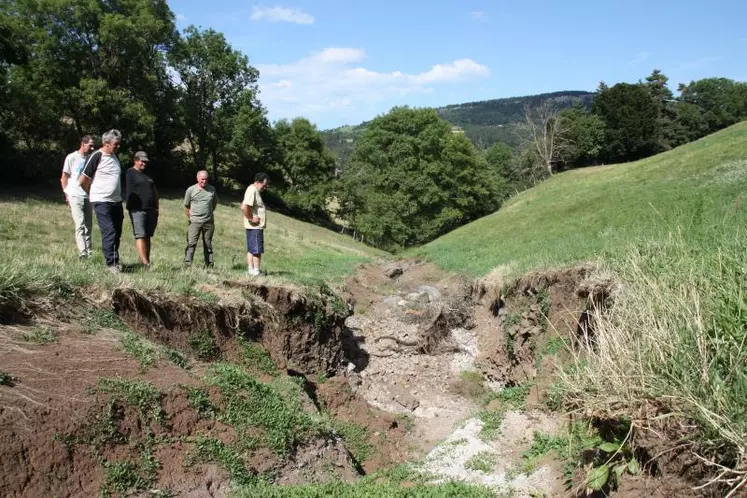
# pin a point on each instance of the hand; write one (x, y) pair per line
(256, 220)
(67, 201)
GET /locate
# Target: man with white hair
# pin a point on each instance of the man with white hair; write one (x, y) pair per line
(200, 201)
(102, 181)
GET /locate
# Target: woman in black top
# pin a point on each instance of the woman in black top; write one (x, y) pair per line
(142, 203)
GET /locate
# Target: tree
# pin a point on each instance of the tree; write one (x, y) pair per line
(663, 100)
(213, 78)
(411, 179)
(95, 66)
(631, 120)
(307, 166)
(253, 145)
(545, 132)
(584, 137)
(722, 101)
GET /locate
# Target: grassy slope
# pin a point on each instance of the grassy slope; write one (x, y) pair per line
(694, 189)
(36, 238)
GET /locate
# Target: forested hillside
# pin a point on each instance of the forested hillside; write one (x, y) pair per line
(485, 122)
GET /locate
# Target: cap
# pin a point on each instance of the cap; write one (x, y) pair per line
(141, 156)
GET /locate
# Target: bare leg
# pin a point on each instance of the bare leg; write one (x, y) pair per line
(256, 260)
(142, 250)
(249, 261)
(147, 249)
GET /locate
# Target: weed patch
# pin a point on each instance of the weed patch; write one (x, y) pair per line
(96, 319)
(482, 462)
(41, 335)
(200, 402)
(6, 379)
(356, 439)
(140, 394)
(145, 352)
(257, 359)
(203, 345)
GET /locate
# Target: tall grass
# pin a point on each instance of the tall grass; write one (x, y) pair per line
(674, 341)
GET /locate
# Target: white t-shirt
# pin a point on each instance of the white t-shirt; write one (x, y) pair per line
(254, 201)
(73, 167)
(106, 177)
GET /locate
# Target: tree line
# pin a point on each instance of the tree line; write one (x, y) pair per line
(74, 67)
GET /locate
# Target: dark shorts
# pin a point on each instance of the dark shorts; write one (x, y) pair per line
(144, 223)
(255, 241)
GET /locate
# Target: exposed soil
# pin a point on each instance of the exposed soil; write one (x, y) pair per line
(395, 366)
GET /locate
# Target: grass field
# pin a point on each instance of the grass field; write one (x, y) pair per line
(671, 231)
(37, 243)
(696, 191)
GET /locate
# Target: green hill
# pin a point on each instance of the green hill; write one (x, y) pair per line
(484, 122)
(695, 191)
(666, 235)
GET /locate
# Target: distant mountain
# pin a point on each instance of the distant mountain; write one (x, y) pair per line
(485, 122)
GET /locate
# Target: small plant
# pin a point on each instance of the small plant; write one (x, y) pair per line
(200, 402)
(356, 439)
(121, 477)
(542, 444)
(142, 350)
(176, 357)
(140, 394)
(97, 318)
(209, 449)
(6, 379)
(491, 423)
(256, 358)
(203, 344)
(555, 345)
(482, 462)
(41, 335)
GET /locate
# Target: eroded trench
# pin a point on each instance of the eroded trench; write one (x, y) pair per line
(392, 367)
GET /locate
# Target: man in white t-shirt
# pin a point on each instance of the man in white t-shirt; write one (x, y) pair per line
(255, 222)
(76, 197)
(102, 180)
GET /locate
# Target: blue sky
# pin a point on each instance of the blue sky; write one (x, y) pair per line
(342, 62)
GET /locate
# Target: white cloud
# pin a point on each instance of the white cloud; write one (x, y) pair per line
(281, 14)
(478, 16)
(640, 58)
(333, 80)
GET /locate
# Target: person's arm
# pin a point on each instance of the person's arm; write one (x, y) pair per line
(156, 199)
(215, 199)
(65, 177)
(89, 171)
(188, 201)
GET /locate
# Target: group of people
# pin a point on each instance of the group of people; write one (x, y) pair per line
(92, 182)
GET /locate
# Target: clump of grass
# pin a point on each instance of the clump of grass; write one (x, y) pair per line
(203, 344)
(249, 403)
(674, 338)
(200, 402)
(482, 462)
(356, 439)
(96, 319)
(176, 357)
(140, 394)
(256, 358)
(209, 449)
(41, 335)
(145, 352)
(491, 423)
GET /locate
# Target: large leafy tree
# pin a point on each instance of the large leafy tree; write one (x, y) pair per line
(722, 101)
(214, 79)
(411, 179)
(631, 118)
(253, 146)
(584, 137)
(307, 166)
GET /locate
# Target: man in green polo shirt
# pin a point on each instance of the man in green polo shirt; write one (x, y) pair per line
(200, 201)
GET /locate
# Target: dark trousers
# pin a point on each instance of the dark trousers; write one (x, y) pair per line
(109, 216)
(197, 228)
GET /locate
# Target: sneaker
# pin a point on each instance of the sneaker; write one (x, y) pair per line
(252, 272)
(114, 269)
